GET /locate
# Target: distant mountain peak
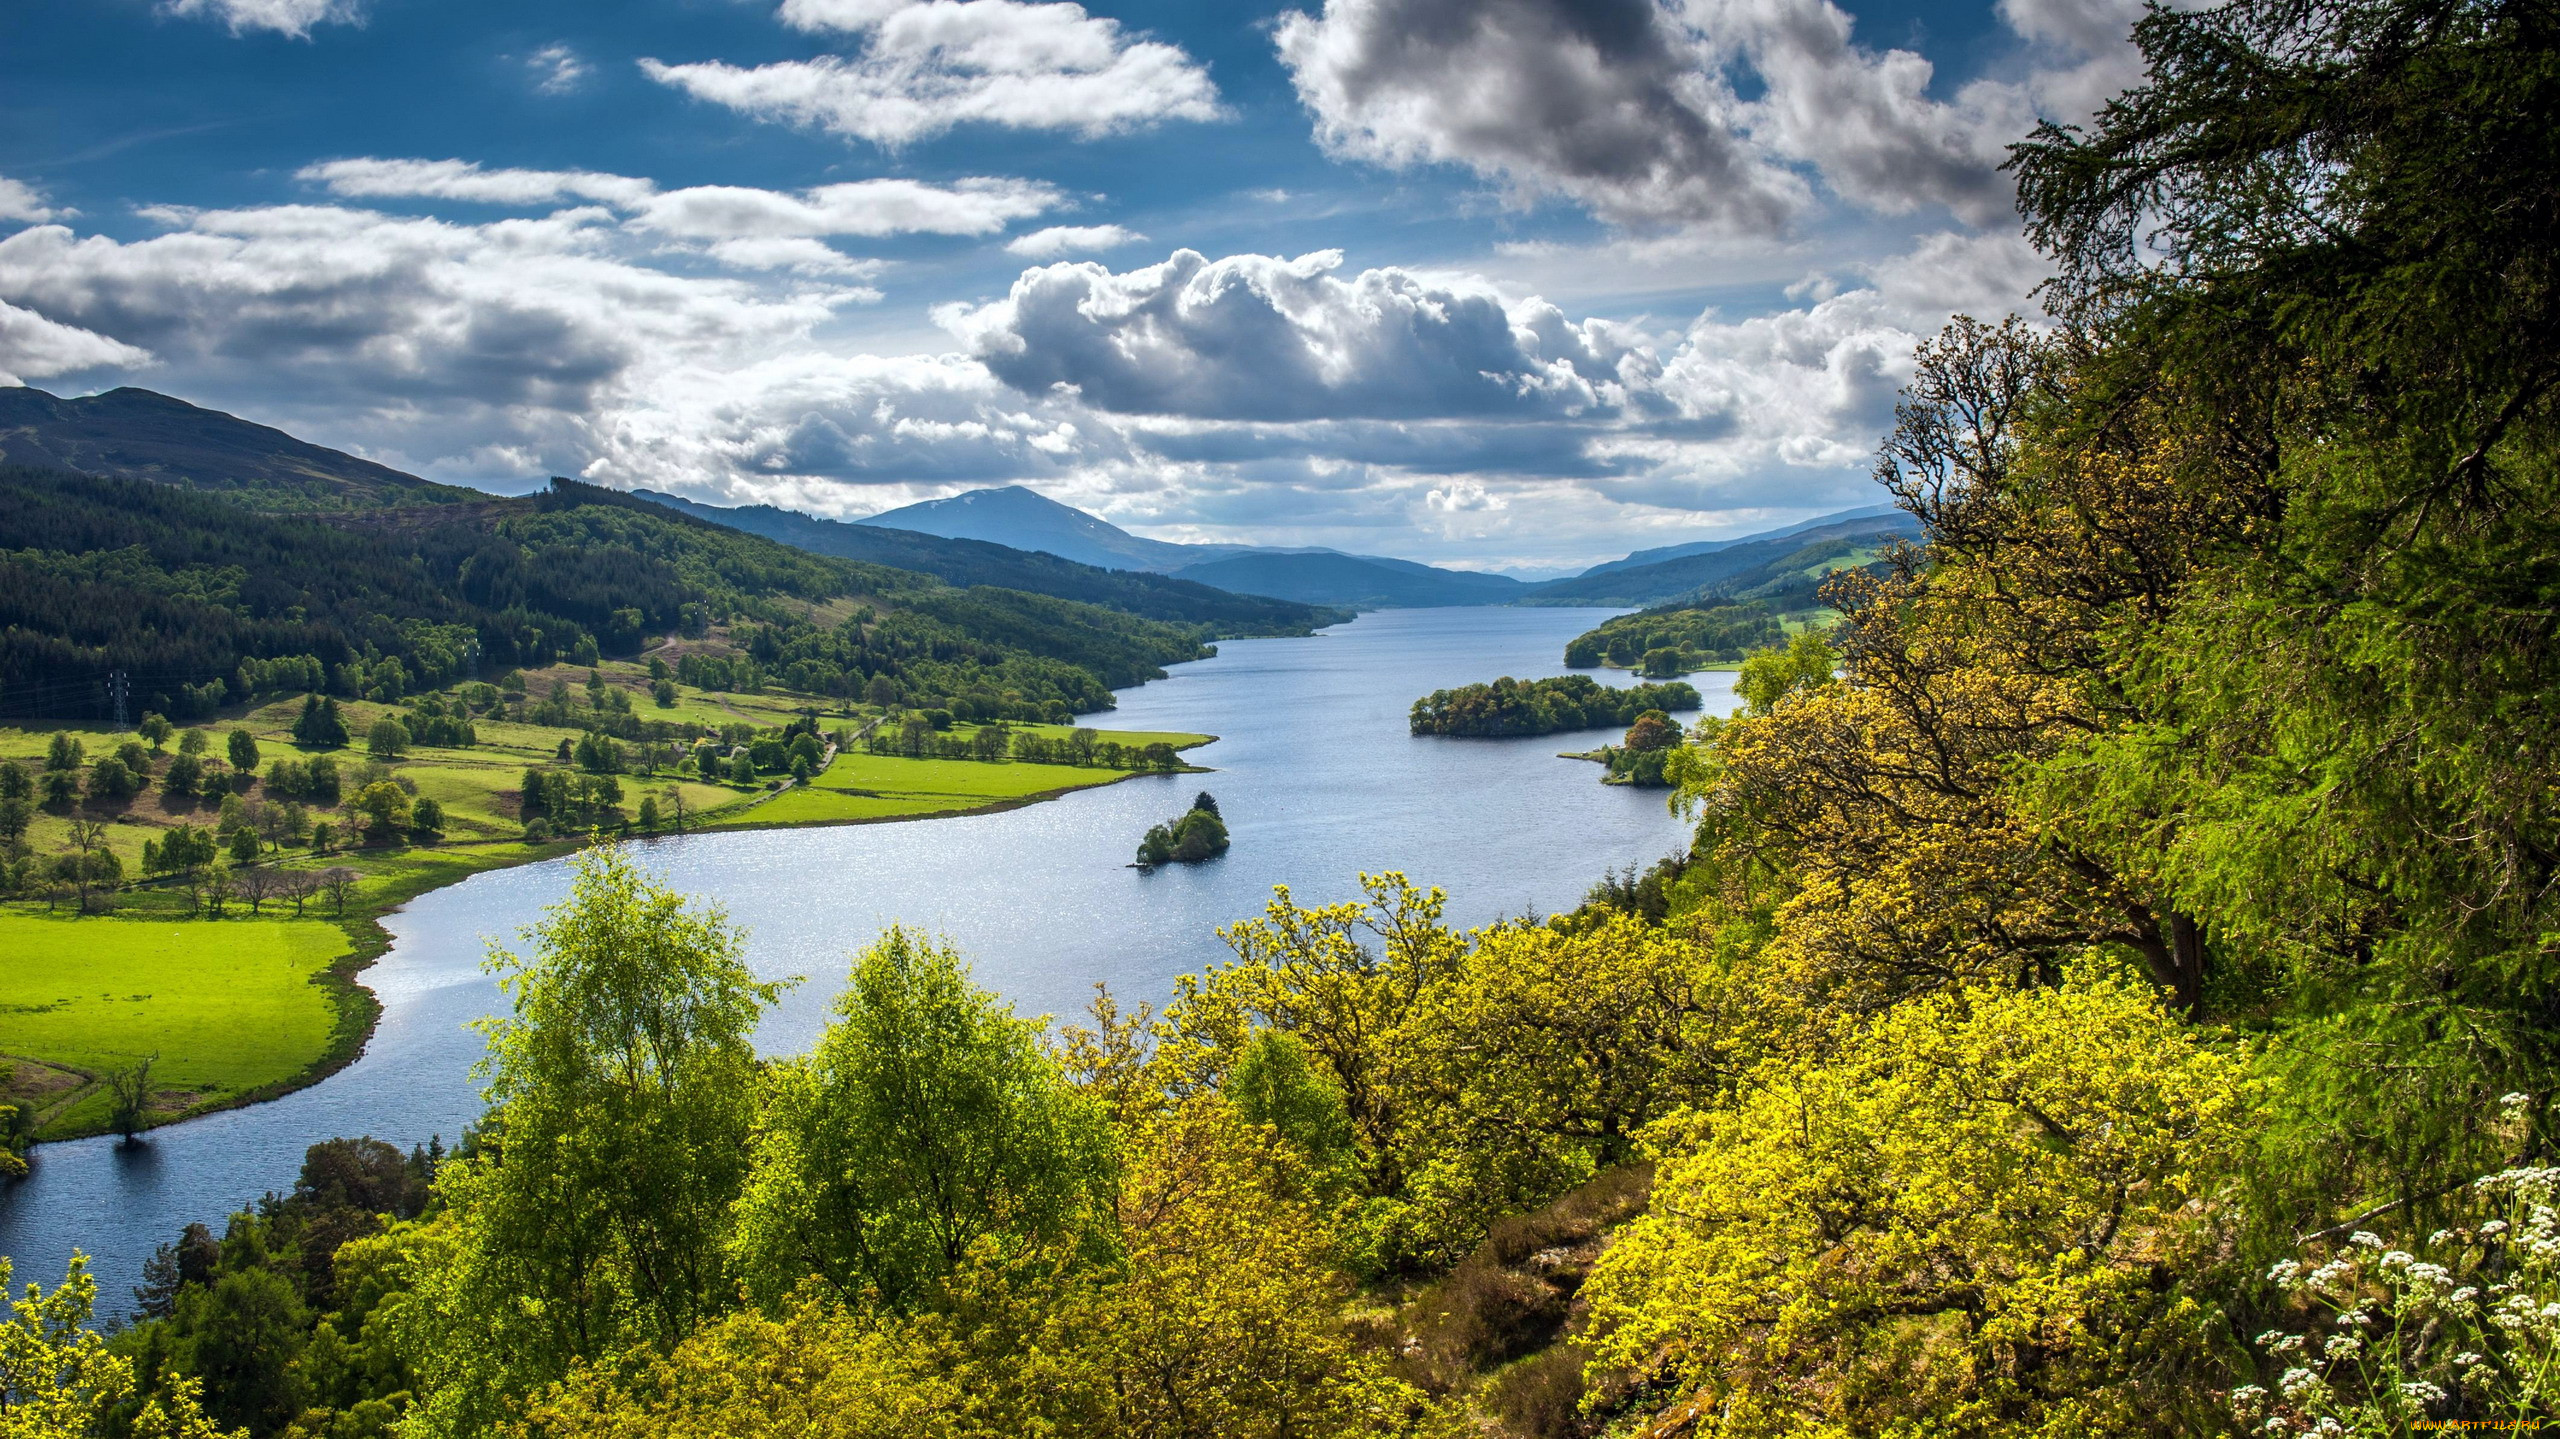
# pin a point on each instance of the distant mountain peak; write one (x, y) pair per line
(1025, 519)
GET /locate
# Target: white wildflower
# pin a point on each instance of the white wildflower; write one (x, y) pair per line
(2493, 1228)
(2344, 1346)
(2367, 1238)
(2466, 1359)
(2422, 1391)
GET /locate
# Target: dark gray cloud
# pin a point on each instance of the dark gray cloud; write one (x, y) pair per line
(1629, 108)
(1602, 101)
(1255, 337)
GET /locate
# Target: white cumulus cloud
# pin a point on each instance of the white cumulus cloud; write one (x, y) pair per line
(1058, 240)
(33, 347)
(1257, 337)
(22, 201)
(797, 253)
(926, 66)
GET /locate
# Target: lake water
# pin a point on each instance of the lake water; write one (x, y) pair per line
(1317, 779)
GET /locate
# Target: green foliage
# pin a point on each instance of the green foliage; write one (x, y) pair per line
(59, 1380)
(1643, 756)
(387, 740)
(1272, 1083)
(927, 1125)
(319, 726)
(595, 1218)
(1199, 833)
(1478, 1074)
(1771, 675)
(1530, 707)
(1953, 1222)
(1694, 637)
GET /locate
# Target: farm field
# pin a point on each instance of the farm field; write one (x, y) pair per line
(228, 1008)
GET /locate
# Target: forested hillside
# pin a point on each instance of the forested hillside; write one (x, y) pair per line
(1676, 639)
(198, 603)
(139, 435)
(2113, 987)
(1218, 614)
(1782, 568)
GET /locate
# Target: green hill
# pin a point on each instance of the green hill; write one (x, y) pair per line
(139, 435)
(200, 602)
(1761, 568)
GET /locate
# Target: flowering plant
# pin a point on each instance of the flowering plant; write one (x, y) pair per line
(2464, 1324)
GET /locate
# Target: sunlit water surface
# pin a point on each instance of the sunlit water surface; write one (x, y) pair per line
(1316, 776)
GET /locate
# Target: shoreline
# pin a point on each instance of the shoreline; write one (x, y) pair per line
(357, 1010)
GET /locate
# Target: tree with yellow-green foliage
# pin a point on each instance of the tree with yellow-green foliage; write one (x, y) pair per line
(1224, 1318)
(58, 1379)
(814, 1371)
(1219, 1318)
(593, 1223)
(1985, 1214)
(927, 1123)
(1479, 1074)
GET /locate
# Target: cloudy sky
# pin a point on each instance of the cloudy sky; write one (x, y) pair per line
(1498, 283)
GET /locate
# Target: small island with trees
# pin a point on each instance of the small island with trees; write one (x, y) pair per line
(1549, 706)
(1199, 833)
(1641, 757)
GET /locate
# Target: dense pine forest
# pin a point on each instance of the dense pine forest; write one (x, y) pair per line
(2111, 990)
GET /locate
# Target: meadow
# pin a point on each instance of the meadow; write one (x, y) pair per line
(228, 1010)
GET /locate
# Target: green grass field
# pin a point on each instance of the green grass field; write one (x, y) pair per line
(862, 786)
(229, 1007)
(230, 1003)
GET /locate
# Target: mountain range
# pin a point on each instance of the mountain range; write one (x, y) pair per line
(1018, 517)
(1027, 520)
(1008, 537)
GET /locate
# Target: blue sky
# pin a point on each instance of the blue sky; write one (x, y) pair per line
(1502, 283)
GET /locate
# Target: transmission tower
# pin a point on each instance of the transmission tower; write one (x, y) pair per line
(117, 692)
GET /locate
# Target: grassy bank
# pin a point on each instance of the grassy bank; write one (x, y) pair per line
(249, 993)
(221, 1010)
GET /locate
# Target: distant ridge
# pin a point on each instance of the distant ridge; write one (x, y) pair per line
(142, 435)
(1736, 568)
(1707, 547)
(1022, 518)
(983, 562)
